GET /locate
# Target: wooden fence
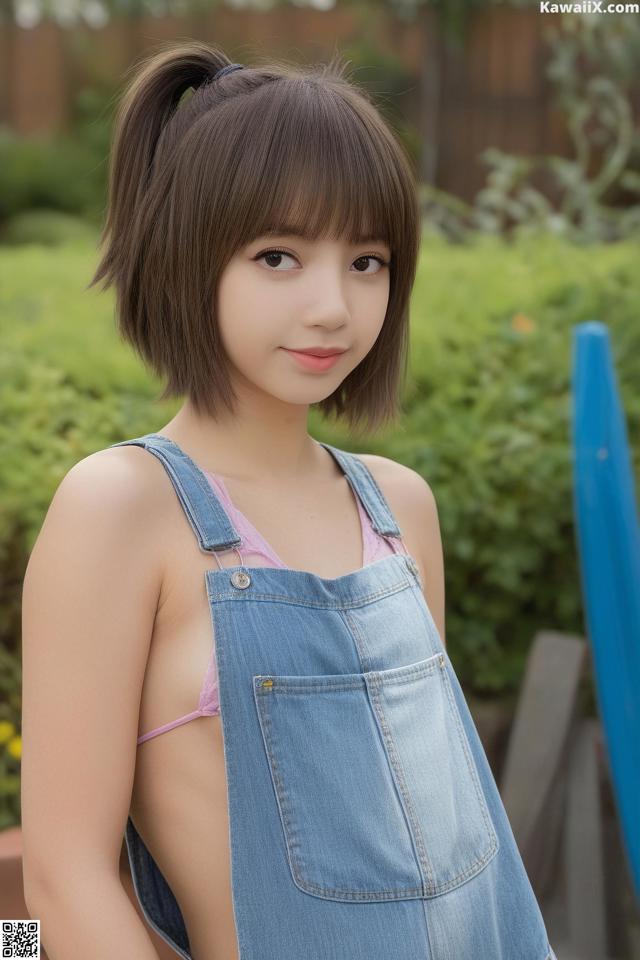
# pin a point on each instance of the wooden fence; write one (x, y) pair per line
(490, 92)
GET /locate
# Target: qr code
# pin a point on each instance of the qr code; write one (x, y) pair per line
(20, 938)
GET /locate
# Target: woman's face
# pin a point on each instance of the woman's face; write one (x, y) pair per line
(283, 293)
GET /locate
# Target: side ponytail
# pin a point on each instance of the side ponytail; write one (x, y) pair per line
(147, 106)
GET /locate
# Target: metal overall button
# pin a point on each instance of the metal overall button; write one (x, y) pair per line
(240, 579)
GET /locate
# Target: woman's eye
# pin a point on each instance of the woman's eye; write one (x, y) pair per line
(274, 255)
(274, 259)
(372, 256)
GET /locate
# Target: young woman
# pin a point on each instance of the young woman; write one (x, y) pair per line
(233, 633)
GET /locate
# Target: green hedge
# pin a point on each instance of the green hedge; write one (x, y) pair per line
(487, 423)
(61, 173)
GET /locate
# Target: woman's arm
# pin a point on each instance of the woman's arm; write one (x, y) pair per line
(433, 560)
(412, 501)
(89, 600)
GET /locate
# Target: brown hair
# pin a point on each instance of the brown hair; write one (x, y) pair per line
(193, 180)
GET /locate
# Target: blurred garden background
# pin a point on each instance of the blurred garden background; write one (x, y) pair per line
(525, 134)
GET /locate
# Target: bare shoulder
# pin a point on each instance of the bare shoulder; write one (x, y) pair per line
(104, 512)
(412, 502)
(127, 476)
(414, 506)
(406, 487)
(111, 491)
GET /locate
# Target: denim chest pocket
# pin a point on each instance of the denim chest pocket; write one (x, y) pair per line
(375, 782)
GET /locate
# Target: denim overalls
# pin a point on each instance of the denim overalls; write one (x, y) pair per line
(365, 822)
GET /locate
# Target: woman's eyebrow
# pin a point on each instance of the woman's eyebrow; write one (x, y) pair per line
(286, 230)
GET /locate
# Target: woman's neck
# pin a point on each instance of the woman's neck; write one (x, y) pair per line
(244, 449)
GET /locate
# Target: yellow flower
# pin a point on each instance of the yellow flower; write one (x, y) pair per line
(522, 323)
(14, 747)
(7, 730)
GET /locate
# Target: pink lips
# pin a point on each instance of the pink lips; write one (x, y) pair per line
(313, 362)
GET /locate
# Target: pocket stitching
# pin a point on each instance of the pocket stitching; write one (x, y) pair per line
(312, 683)
(472, 768)
(425, 668)
(281, 797)
(401, 786)
(431, 886)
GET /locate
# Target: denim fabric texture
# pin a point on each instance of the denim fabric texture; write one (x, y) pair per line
(365, 822)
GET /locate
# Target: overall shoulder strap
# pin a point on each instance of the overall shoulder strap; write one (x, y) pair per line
(205, 513)
(365, 487)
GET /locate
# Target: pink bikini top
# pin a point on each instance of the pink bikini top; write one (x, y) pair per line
(375, 546)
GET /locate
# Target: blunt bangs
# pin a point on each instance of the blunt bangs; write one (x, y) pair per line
(314, 168)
